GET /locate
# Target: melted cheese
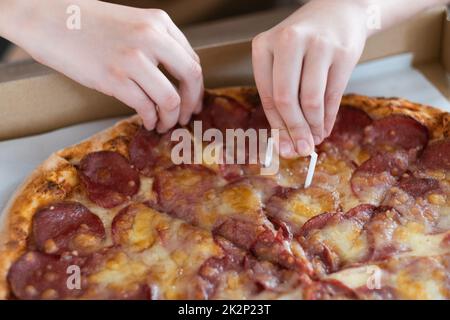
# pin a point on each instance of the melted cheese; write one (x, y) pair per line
(346, 239)
(119, 272)
(354, 277)
(309, 203)
(412, 236)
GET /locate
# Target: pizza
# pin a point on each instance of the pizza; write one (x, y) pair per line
(114, 218)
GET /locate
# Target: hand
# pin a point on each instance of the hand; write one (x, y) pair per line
(302, 67)
(117, 51)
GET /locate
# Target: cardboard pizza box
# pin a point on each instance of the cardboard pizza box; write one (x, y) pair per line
(35, 99)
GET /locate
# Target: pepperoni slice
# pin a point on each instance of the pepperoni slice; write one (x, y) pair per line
(263, 273)
(241, 233)
(329, 238)
(213, 268)
(137, 227)
(223, 113)
(67, 226)
(150, 151)
(396, 132)
(109, 178)
(436, 156)
(318, 222)
(180, 187)
(349, 125)
(374, 177)
(380, 224)
(418, 187)
(40, 276)
(296, 206)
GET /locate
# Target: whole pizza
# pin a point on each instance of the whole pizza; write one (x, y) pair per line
(114, 218)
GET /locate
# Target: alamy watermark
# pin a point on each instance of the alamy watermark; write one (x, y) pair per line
(73, 21)
(238, 146)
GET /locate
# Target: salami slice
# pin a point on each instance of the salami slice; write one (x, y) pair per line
(418, 187)
(333, 240)
(436, 156)
(108, 177)
(40, 276)
(241, 233)
(67, 226)
(149, 151)
(380, 233)
(259, 275)
(349, 125)
(317, 222)
(223, 113)
(396, 132)
(374, 177)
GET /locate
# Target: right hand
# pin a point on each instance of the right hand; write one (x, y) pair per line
(117, 52)
(302, 67)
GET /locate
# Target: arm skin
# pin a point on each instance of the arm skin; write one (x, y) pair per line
(117, 51)
(303, 64)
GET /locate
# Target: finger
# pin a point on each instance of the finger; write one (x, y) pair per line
(189, 73)
(179, 36)
(263, 68)
(312, 89)
(286, 78)
(156, 85)
(338, 78)
(132, 95)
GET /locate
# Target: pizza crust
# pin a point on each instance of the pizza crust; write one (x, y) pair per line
(56, 177)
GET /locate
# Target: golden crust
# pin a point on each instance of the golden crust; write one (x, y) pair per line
(53, 180)
(434, 119)
(56, 177)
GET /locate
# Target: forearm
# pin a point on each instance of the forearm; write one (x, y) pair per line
(393, 12)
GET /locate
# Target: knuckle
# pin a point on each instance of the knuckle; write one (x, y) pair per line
(267, 102)
(141, 102)
(315, 126)
(321, 42)
(258, 42)
(159, 14)
(311, 102)
(283, 101)
(195, 70)
(116, 74)
(297, 129)
(170, 102)
(145, 30)
(132, 53)
(333, 98)
(289, 34)
(346, 52)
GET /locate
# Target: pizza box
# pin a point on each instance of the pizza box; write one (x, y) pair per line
(35, 99)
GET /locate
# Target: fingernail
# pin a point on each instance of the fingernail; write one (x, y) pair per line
(303, 148)
(286, 149)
